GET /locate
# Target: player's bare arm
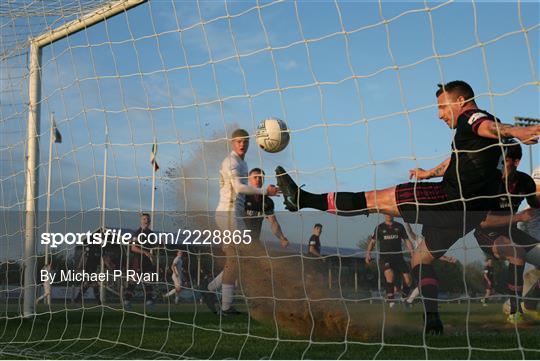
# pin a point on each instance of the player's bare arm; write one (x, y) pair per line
(370, 247)
(409, 246)
(435, 172)
(494, 130)
(276, 230)
(239, 187)
(493, 220)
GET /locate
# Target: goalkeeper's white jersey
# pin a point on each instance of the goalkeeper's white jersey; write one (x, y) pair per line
(233, 185)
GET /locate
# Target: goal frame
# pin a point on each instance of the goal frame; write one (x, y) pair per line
(33, 127)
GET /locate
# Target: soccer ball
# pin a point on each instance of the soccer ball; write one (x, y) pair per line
(272, 135)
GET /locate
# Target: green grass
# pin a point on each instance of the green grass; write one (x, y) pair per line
(186, 331)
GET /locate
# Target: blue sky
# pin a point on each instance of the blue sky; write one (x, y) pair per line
(360, 105)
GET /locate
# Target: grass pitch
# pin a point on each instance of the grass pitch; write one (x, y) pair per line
(190, 331)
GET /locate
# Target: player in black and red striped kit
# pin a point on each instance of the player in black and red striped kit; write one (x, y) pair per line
(448, 209)
(389, 236)
(498, 235)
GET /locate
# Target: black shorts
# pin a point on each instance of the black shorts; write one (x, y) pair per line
(396, 262)
(445, 220)
(439, 240)
(428, 204)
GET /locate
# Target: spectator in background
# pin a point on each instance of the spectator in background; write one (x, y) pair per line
(314, 245)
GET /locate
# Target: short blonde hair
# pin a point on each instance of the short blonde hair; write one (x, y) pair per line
(239, 133)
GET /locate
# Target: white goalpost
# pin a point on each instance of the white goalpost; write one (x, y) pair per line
(93, 94)
(34, 113)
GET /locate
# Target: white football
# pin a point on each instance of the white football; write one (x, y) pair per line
(272, 135)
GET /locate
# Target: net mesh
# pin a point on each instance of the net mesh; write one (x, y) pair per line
(170, 81)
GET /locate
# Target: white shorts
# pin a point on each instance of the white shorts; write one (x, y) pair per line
(229, 221)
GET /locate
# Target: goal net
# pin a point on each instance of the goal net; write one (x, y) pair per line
(118, 115)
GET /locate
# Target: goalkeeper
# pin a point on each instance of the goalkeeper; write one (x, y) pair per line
(257, 208)
(233, 188)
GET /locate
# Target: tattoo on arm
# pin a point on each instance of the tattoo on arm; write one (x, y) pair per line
(439, 170)
(503, 129)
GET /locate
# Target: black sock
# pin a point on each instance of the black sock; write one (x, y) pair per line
(389, 290)
(341, 203)
(429, 286)
(311, 200)
(514, 286)
(405, 290)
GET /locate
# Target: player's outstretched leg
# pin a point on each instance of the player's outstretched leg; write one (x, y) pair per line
(341, 203)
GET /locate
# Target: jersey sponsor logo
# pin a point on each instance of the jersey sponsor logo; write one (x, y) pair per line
(390, 236)
(504, 203)
(476, 116)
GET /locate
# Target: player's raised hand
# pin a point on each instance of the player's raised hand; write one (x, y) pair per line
(272, 190)
(528, 135)
(368, 258)
(284, 242)
(419, 174)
